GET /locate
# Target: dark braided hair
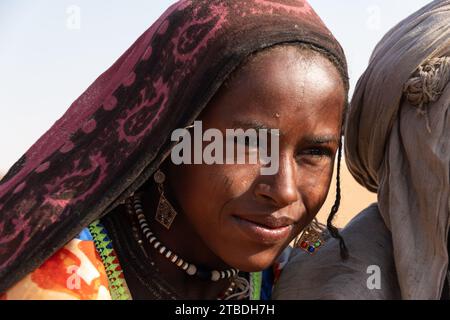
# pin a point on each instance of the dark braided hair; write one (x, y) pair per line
(334, 232)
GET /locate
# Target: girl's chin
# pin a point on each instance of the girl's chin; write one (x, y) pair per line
(254, 264)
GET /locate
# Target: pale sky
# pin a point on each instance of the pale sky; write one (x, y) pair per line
(48, 56)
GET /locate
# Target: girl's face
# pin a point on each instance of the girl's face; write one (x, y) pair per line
(244, 217)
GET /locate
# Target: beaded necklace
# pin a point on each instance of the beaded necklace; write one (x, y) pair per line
(239, 287)
(135, 205)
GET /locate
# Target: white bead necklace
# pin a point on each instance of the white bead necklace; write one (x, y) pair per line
(190, 268)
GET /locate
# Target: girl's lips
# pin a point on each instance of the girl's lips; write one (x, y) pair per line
(261, 233)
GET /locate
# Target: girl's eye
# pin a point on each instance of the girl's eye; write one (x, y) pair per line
(315, 154)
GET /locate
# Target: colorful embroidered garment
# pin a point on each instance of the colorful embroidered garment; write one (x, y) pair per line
(87, 268)
(115, 135)
(75, 272)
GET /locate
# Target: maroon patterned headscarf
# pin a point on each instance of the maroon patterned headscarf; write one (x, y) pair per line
(114, 136)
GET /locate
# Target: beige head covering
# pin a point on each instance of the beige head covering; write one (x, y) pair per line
(397, 142)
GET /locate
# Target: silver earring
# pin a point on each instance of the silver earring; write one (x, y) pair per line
(165, 213)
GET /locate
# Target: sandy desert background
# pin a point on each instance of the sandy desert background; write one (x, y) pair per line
(354, 198)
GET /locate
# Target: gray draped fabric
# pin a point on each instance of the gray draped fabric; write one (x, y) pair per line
(325, 275)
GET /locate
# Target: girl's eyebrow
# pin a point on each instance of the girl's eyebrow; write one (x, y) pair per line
(256, 125)
(322, 139)
(310, 139)
(251, 124)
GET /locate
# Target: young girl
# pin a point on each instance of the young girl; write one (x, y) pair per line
(153, 229)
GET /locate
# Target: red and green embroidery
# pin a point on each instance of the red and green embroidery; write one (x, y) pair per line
(117, 284)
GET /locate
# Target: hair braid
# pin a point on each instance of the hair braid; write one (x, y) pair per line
(334, 232)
